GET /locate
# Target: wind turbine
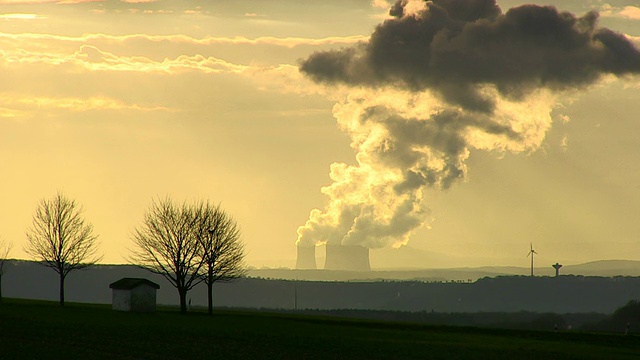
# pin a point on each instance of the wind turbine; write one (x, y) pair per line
(531, 253)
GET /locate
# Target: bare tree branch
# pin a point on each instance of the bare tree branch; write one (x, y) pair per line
(165, 244)
(5, 248)
(60, 239)
(222, 249)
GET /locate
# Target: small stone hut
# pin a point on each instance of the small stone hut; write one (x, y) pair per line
(134, 294)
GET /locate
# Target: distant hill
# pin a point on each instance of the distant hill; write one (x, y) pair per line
(425, 264)
(596, 268)
(604, 268)
(565, 294)
(462, 274)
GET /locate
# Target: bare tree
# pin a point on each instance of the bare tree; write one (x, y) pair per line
(166, 245)
(5, 248)
(60, 239)
(221, 246)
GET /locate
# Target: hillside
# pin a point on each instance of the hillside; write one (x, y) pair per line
(565, 294)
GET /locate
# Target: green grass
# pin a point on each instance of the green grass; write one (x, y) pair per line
(36, 330)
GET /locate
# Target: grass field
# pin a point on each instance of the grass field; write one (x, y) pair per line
(38, 330)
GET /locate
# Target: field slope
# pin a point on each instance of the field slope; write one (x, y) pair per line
(36, 330)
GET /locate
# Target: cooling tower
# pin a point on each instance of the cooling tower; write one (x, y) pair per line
(306, 257)
(347, 257)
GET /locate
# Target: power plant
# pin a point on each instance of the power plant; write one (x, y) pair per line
(338, 257)
(306, 257)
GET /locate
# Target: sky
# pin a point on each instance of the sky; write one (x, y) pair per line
(116, 103)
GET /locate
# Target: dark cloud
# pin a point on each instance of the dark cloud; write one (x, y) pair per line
(454, 47)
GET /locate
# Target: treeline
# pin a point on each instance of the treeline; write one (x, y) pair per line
(624, 320)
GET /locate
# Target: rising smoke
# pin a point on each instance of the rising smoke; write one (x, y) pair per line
(436, 80)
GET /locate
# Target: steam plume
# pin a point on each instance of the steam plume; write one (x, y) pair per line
(436, 81)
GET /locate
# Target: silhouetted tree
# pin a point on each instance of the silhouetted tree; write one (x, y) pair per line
(626, 317)
(166, 244)
(624, 320)
(60, 239)
(5, 247)
(222, 250)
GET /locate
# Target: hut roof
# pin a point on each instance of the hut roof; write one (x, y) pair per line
(130, 283)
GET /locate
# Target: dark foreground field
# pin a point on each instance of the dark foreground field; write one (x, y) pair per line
(38, 330)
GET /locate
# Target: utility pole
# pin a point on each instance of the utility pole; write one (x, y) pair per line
(295, 295)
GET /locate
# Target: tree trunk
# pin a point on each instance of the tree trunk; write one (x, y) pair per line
(61, 290)
(210, 297)
(183, 300)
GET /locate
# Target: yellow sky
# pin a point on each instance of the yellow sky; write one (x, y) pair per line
(117, 102)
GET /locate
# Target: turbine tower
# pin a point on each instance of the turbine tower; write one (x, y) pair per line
(531, 253)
